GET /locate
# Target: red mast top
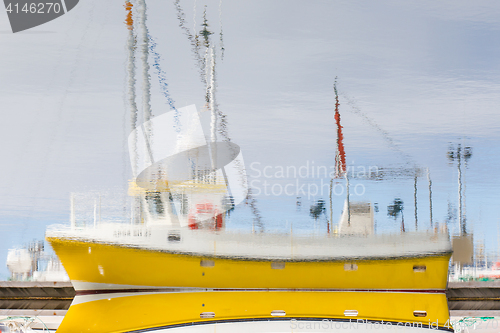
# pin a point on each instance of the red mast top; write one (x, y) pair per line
(340, 165)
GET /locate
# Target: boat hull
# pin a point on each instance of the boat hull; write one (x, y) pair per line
(91, 264)
(240, 310)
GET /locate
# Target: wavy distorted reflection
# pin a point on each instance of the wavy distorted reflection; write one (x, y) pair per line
(313, 167)
(176, 266)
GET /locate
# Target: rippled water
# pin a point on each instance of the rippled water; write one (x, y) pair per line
(413, 79)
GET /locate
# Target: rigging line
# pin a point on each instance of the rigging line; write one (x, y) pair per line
(385, 135)
(222, 118)
(212, 95)
(220, 123)
(207, 82)
(221, 39)
(192, 39)
(162, 78)
(257, 217)
(211, 92)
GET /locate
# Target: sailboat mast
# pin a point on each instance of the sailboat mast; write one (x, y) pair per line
(131, 45)
(210, 60)
(131, 93)
(415, 199)
(430, 194)
(144, 47)
(340, 163)
(209, 80)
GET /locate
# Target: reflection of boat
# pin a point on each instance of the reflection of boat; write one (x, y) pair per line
(179, 265)
(256, 311)
(184, 195)
(173, 267)
(119, 256)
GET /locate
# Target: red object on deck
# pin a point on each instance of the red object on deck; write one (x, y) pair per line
(192, 224)
(218, 222)
(206, 209)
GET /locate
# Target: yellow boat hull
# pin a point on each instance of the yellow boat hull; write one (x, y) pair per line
(119, 265)
(168, 310)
